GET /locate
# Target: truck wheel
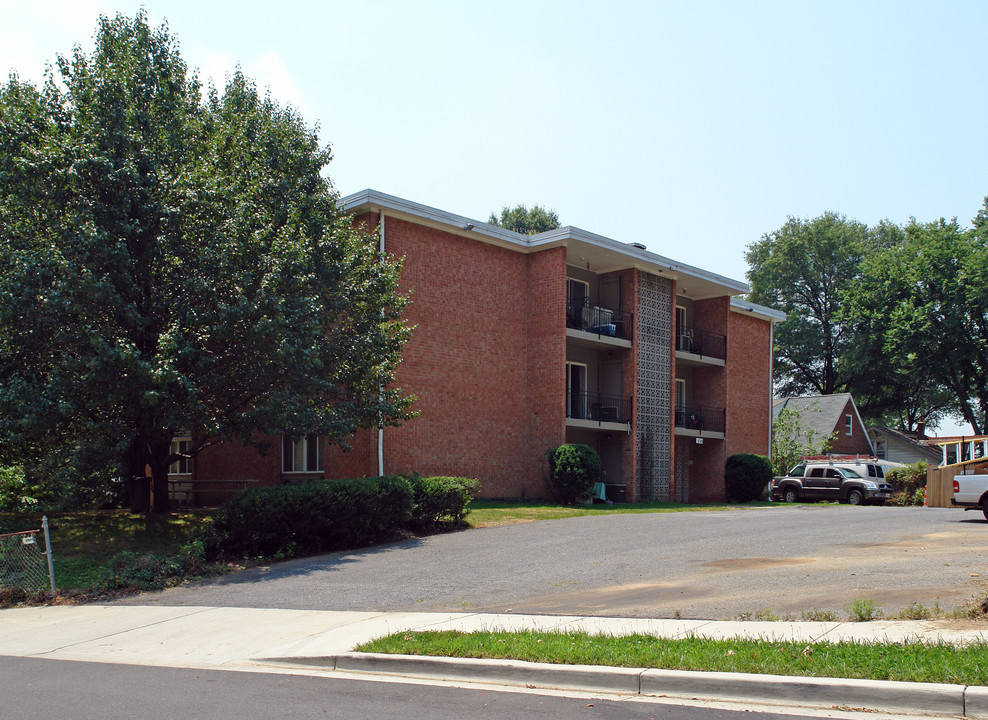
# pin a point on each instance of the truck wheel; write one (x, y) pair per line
(855, 497)
(790, 495)
(984, 506)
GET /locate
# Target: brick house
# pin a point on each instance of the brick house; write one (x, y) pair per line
(831, 414)
(522, 343)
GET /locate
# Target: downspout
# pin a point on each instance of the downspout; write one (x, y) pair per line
(380, 428)
(771, 384)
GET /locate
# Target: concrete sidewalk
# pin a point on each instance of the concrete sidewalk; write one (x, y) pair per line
(280, 640)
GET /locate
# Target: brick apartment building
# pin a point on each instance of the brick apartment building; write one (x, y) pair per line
(522, 343)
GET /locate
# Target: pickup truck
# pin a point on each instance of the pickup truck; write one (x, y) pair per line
(971, 493)
(857, 485)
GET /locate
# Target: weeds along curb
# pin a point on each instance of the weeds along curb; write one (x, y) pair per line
(880, 695)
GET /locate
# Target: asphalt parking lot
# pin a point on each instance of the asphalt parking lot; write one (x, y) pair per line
(705, 565)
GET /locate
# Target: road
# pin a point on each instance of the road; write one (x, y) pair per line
(33, 688)
(704, 565)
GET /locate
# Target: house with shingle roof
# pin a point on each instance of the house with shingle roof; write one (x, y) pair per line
(827, 414)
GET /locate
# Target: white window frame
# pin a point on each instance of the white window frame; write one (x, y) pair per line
(848, 425)
(300, 451)
(586, 288)
(182, 466)
(181, 443)
(680, 399)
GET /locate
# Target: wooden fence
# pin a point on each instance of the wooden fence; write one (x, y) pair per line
(940, 483)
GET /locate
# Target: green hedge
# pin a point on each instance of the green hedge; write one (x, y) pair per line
(327, 515)
(440, 502)
(746, 477)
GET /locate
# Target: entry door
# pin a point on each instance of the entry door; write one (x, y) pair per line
(576, 391)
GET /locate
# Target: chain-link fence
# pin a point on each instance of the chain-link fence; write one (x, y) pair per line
(25, 560)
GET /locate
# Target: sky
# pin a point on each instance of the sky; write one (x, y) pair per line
(692, 127)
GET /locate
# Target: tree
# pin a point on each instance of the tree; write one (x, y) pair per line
(173, 263)
(792, 438)
(801, 269)
(528, 222)
(924, 304)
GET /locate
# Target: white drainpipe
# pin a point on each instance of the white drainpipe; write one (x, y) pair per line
(771, 383)
(380, 429)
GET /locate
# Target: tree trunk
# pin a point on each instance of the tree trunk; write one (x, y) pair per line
(159, 476)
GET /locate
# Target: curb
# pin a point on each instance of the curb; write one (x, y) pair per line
(879, 695)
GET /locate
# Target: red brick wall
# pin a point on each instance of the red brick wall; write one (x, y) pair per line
(235, 461)
(545, 367)
(857, 443)
(486, 362)
(749, 385)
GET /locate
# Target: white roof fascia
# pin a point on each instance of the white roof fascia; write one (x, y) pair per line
(372, 199)
(646, 260)
(642, 259)
(738, 305)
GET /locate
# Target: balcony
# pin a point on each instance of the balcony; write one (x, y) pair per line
(591, 410)
(700, 421)
(695, 347)
(613, 327)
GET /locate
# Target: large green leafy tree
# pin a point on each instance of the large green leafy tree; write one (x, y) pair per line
(923, 304)
(801, 269)
(171, 263)
(528, 221)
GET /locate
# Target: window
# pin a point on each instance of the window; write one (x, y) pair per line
(302, 455)
(680, 393)
(182, 466)
(847, 425)
(880, 449)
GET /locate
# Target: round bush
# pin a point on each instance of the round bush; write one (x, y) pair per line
(746, 476)
(573, 470)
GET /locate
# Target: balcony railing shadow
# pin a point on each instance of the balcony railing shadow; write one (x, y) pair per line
(702, 343)
(598, 407)
(701, 417)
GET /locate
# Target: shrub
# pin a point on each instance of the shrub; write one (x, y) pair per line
(573, 470)
(908, 484)
(312, 517)
(746, 477)
(440, 502)
(145, 571)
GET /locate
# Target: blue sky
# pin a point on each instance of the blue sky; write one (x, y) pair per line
(691, 127)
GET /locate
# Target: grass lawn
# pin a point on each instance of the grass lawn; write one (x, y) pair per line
(917, 662)
(83, 542)
(486, 513)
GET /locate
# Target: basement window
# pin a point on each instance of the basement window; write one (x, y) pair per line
(301, 456)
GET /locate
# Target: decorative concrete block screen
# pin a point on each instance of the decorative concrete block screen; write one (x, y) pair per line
(654, 386)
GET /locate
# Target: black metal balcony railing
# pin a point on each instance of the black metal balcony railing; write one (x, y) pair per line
(701, 343)
(581, 315)
(598, 407)
(700, 418)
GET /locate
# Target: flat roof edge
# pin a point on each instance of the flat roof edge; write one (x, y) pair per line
(374, 199)
(740, 305)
